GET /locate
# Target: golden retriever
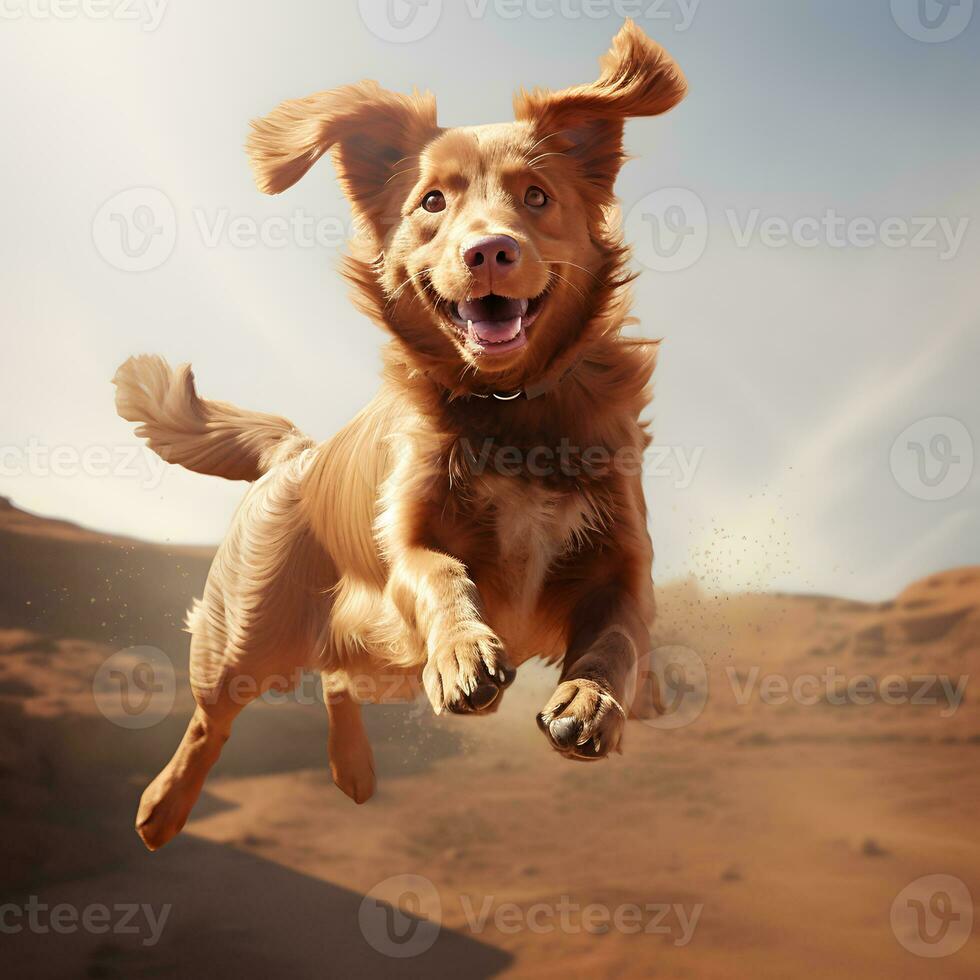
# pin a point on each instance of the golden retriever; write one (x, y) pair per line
(487, 506)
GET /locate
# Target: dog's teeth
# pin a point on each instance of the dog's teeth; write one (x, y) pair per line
(520, 321)
(469, 325)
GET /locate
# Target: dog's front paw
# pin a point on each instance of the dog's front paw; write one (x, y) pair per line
(583, 720)
(466, 674)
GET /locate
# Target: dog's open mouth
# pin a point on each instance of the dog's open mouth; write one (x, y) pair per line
(495, 324)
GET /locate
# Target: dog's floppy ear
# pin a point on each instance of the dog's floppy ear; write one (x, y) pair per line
(638, 78)
(369, 129)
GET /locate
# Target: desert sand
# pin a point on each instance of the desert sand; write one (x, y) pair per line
(767, 836)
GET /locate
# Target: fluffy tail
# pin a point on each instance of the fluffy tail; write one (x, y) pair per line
(208, 437)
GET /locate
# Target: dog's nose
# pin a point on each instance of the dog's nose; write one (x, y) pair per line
(493, 255)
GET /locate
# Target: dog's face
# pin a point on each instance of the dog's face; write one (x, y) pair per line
(485, 246)
(491, 243)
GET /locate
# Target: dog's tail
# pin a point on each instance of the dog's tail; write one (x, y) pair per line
(208, 437)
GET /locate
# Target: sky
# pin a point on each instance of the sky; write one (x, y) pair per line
(804, 224)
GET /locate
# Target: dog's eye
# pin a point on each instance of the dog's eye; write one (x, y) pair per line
(434, 201)
(535, 197)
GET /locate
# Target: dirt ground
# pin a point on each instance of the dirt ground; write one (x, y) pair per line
(820, 757)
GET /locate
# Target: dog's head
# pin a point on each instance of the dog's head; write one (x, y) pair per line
(481, 247)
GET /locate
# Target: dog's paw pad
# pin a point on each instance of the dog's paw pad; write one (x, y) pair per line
(583, 720)
(467, 676)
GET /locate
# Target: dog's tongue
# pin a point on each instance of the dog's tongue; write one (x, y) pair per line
(493, 319)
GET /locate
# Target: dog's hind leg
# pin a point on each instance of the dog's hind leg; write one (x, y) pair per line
(167, 802)
(351, 758)
(263, 605)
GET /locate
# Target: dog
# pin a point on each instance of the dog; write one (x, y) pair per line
(487, 506)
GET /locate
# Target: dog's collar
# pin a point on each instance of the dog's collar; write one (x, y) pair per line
(500, 396)
(535, 390)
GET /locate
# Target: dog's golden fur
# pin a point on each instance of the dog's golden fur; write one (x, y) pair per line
(420, 544)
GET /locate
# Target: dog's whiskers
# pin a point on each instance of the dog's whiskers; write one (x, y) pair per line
(407, 282)
(399, 173)
(557, 132)
(570, 284)
(573, 264)
(554, 153)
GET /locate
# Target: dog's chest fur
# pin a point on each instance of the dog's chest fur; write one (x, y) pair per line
(532, 527)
